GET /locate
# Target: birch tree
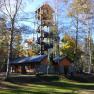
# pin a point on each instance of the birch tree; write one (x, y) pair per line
(81, 10)
(10, 9)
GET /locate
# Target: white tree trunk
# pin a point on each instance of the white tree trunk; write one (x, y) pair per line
(8, 61)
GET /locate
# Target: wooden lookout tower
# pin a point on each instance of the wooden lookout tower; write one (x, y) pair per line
(44, 15)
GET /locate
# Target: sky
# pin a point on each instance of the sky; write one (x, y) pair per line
(28, 11)
(64, 21)
(32, 5)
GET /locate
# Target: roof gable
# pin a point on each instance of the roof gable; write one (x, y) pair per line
(57, 59)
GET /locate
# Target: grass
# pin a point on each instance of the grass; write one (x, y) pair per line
(33, 89)
(63, 86)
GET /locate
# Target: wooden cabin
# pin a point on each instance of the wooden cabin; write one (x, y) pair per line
(62, 64)
(35, 64)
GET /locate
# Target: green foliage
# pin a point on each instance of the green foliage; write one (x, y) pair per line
(4, 38)
(68, 47)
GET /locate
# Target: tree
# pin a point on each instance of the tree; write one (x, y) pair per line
(80, 9)
(17, 43)
(10, 9)
(4, 37)
(68, 48)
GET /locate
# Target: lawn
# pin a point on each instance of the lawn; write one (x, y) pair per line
(44, 86)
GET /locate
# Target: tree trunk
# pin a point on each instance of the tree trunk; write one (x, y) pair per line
(8, 55)
(11, 39)
(76, 45)
(10, 49)
(90, 53)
